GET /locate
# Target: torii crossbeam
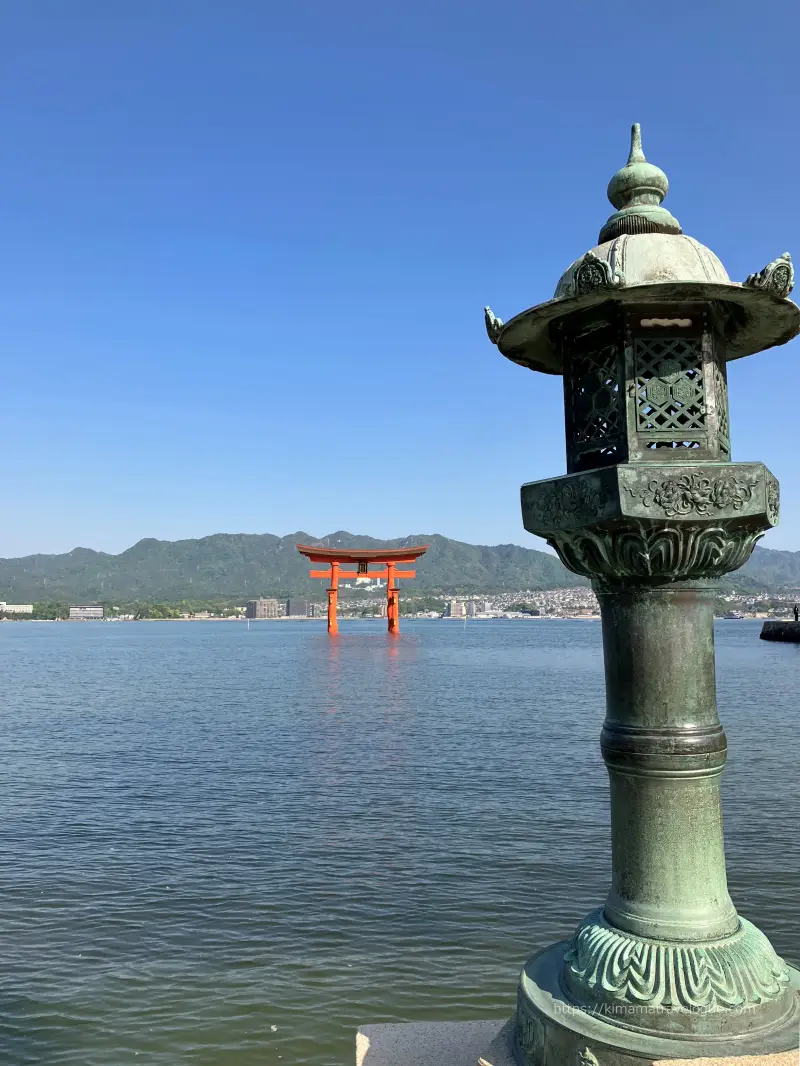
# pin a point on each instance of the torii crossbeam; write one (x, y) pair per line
(391, 558)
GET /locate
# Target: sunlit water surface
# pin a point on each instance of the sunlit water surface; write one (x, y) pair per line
(229, 847)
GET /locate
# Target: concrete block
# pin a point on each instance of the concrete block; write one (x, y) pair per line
(427, 1043)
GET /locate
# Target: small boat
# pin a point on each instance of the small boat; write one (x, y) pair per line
(733, 614)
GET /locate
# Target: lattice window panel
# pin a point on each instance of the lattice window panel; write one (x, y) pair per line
(595, 423)
(723, 423)
(670, 396)
(597, 416)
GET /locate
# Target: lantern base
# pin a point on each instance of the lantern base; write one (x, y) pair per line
(551, 1029)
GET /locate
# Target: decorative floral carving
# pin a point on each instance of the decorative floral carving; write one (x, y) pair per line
(592, 273)
(773, 499)
(670, 369)
(654, 554)
(777, 277)
(563, 501)
(695, 493)
(607, 965)
(530, 1034)
(493, 324)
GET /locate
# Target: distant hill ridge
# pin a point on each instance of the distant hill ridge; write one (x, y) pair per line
(246, 565)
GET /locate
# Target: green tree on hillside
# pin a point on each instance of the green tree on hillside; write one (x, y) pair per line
(158, 610)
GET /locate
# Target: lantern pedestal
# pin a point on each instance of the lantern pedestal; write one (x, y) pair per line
(551, 1029)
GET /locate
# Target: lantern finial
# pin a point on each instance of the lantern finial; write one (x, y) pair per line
(637, 191)
(636, 154)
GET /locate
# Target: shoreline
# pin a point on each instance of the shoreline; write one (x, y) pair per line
(377, 618)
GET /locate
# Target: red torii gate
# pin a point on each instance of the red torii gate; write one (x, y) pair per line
(333, 558)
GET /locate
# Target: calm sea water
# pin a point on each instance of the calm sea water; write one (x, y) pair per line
(228, 848)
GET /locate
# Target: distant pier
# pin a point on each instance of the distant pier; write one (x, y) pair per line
(785, 631)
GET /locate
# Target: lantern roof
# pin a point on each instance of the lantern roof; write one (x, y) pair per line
(643, 257)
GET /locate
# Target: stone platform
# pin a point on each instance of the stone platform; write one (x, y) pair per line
(427, 1043)
(489, 1043)
(785, 631)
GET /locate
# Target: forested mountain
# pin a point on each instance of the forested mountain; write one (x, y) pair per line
(769, 569)
(246, 565)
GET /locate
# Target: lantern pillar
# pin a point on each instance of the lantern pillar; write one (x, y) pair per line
(664, 749)
(653, 511)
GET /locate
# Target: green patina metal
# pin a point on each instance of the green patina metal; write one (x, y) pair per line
(637, 191)
(652, 510)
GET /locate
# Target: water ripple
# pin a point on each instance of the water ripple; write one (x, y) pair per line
(231, 847)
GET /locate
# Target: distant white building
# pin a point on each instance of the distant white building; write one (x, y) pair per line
(455, 609)
(85, 613)
(15, 608)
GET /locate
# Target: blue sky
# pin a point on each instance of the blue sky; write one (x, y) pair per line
(246, 247)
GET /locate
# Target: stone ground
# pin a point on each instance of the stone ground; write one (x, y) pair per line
(485, 1044)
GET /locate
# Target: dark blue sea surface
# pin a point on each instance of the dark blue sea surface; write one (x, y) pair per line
(229, 847)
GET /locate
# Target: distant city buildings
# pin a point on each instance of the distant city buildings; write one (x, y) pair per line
(576, 602)
(15, 608)
(262, 609)
(85, 613)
